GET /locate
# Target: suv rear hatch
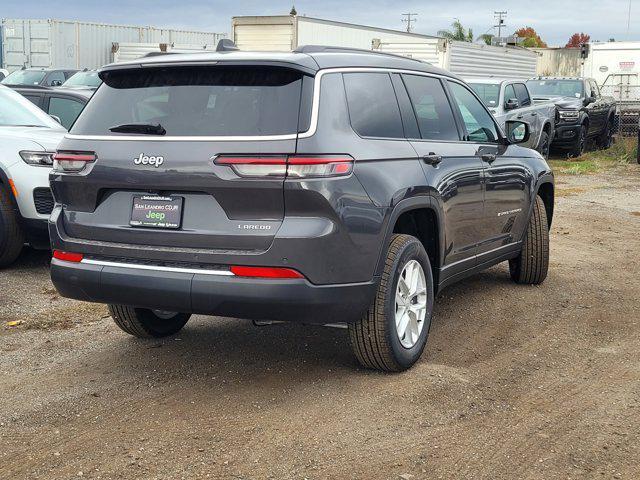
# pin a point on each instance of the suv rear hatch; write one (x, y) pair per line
(205, 145)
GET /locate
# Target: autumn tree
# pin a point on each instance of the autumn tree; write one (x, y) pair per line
(531, 38)
(577, 40)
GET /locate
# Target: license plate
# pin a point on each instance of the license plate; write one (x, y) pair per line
(156, 212)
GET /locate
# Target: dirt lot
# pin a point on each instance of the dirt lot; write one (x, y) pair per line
(516, 382)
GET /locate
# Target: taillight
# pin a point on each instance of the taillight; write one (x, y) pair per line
(320, 166)
(72, 162)
(265, 272)
(67, 256)
(297, 166)
(262, 166)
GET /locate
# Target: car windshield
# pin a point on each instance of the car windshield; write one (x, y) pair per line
(196, 101)
(15, 111)
(489, 93)
(83, 79)
(24, 77)
(556, 88)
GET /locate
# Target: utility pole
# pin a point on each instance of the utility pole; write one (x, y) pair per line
(499, 17)
(410, 20)
(629, 21)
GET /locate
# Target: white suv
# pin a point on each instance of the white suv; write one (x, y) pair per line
(28, 139)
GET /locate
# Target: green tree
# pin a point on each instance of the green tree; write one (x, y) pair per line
(486, 38)
(457, 32)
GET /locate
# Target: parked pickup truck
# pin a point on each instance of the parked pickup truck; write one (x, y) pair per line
(584, 113)
(511, 100)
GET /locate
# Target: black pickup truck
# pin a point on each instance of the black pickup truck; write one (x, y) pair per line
(584, 114)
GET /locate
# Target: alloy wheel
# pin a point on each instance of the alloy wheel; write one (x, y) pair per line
(411, 304)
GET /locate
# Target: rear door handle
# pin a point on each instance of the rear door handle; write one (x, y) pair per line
(488, 157)
(432, 159)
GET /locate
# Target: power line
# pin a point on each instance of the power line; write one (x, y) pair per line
(499, 17)
(410, 20)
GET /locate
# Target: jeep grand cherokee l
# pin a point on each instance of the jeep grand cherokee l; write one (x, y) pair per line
(319, 186)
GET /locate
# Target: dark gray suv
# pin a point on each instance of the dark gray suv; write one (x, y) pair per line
(320, 186)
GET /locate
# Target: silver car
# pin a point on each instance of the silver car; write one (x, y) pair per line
(511, 100)
(28, 139)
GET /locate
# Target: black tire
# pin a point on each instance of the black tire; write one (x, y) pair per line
(604, 141)
(581, 143)
(11, 235)
(374, 337)
(144, 323)
(544, 145)
(532, 265)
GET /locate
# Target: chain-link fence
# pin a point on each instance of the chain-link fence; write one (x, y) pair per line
(628, 100)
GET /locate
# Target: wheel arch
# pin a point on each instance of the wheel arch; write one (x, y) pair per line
(419, 217)
(546, 191)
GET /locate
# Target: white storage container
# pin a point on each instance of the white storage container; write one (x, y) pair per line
(67, 44)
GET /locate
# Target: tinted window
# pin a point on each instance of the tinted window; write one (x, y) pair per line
(595, 91)
(489, 93)
(35, 99)
(432, 108)
(509, 93)
(201, 101)
(373, 107)
(56, 78)
(66, 109)
(478, 122)
(522, 95)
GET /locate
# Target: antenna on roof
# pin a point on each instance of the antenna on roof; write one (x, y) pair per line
(226, 45)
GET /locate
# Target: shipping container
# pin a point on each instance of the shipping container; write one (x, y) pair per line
(616, 68)
(69, 44)
(287, 32)
(470, 60)
(123, 52)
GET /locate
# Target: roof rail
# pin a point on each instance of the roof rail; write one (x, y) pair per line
(328, 48)
(226, 45)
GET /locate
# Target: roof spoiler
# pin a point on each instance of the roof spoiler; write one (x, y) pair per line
(226, 45)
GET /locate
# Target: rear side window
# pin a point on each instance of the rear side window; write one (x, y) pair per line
(373, 107)
(66, 109)
(198, 101)
(522, 94)
(432, 108)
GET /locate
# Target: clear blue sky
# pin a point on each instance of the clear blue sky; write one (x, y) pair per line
(555, 20)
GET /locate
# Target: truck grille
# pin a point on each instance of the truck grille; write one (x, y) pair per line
(43, 201)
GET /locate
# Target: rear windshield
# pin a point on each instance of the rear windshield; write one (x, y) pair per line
(197, 101)
(556, 88)
(489, 93)
(24, 77)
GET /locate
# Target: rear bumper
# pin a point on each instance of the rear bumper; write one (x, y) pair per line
(212, 294)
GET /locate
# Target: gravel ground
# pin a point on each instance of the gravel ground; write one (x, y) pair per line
(516, 381)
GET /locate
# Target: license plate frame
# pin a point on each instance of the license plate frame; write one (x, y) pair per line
(156, 212)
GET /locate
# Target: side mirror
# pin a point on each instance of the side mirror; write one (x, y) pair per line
(56, 83)
(517, 132)
(56, 118)
(589, 100)
(512, 104)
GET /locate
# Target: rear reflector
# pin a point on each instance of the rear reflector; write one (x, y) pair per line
(72, 162)
(67, 256)
(265, 272)
(293, 166)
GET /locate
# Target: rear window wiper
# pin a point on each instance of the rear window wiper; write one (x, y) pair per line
(144, 128)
